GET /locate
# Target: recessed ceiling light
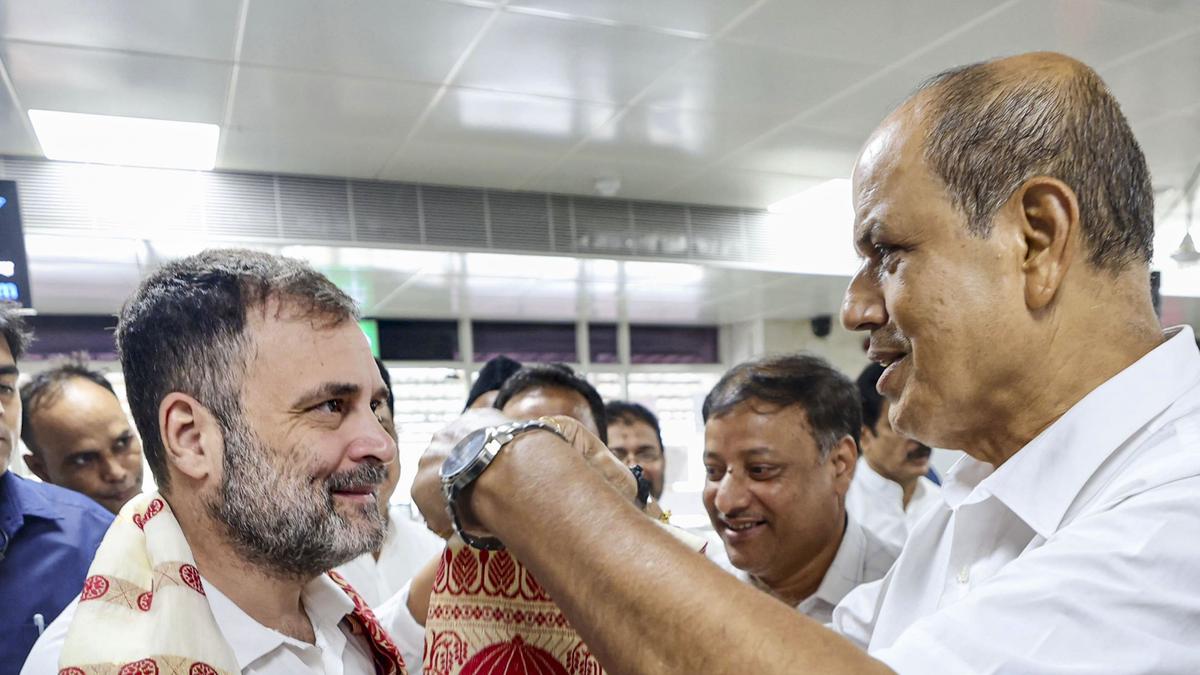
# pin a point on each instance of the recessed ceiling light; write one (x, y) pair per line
(126, 141)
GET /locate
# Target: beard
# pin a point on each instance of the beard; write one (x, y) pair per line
(284, 521)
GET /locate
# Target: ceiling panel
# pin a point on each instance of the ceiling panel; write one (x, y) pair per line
(798, 149)
(493, 119)
(740, 77)
(877, 32)
(1172, 147)
(416, 40)
(199, 29)
(15, 138)
(1094, 31)
(113, 83)
(858, 110)
(298, 122)
(1158, 81)
(658, 134)
(693, 16)
(570, 59)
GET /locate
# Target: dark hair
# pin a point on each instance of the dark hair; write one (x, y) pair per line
(387, 382)
(46, 387)
(829, 399)
(872, 400)
(12, 326)
(628, 412)
(184, 330)
(991, 128)
(554, 375)
(492, 376)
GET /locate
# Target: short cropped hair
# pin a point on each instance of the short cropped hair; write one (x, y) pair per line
(16, 335)
(387, 381)
(628, 412)
(45, 389)
(184, 330)
(829, 398)
(554, 375)
(992, 128)
(872, 400)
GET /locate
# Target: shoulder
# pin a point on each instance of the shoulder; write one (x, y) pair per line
(80, 520)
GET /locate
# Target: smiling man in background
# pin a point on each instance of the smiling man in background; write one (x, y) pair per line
(890, 492)
(78, 436)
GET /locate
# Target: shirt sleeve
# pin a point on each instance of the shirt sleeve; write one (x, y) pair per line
(408, 635)
(1114, 592)
(854, 617)
(43, 658)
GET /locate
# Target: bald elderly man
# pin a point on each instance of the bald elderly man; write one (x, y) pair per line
(1004, 218)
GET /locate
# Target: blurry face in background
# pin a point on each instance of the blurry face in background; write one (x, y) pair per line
(775, 502)
(636, 444)
(538, 402)
(891, 455)
(10, 406)
(388, 420)
(86, 444)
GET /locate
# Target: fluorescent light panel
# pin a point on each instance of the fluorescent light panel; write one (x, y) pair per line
(126, 141)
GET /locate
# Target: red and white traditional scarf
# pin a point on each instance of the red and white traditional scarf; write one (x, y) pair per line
(488, 615)
(143, 609)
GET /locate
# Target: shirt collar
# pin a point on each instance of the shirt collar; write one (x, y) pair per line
(19, 499)
(875, 483)
(325, 604)
(845, 572)
(1072, 448)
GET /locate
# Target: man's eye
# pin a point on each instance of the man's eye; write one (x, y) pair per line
(83, 460)
(762, 471)
(333, 405)
(714, 472)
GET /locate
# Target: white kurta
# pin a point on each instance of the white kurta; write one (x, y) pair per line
(1079, 554)
(878, 503)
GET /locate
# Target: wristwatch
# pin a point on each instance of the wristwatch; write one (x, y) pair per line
(467, 462)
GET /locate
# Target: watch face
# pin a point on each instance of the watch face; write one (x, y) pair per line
(463, 453)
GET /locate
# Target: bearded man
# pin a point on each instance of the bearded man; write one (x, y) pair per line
(255, 395)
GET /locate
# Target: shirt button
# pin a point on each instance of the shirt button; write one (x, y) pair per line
(964, 575)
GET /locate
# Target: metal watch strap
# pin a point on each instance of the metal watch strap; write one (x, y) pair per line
(511, 430)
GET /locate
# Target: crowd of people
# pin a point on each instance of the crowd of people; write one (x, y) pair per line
(1004, 218)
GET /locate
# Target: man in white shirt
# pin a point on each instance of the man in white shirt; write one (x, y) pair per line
(1004, 215)
(780, 446)
(256, 396)
(407, 544)
(890, 492)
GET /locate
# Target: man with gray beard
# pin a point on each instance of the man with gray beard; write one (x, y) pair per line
(255, 394)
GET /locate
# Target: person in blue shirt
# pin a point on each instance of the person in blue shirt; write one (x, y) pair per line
(48, 535)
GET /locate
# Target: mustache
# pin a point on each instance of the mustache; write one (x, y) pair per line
(919, 452)
(889, 338)
(369, 473)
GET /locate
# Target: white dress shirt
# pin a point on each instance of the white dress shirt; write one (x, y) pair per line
(1080, 554)
(259, 650)
(878, 503)
(407, 546)
(861, 558)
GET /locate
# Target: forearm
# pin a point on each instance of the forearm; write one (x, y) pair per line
(641, 601)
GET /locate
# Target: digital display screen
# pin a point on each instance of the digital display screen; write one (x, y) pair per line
(14, 273)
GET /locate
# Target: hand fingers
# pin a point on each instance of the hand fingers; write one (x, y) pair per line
(597, 455)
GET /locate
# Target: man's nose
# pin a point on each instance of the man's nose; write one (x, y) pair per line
(732, 494)
(863, 307)
(113, 470)
(372, 440)
(631, 461)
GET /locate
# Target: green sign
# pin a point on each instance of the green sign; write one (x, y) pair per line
(370, 328)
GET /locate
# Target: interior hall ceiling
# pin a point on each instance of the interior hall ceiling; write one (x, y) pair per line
(730, 102)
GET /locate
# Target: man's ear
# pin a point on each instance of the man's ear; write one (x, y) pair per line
(843, 458)
(191, 436)
(1050, 227)
(37, 464)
